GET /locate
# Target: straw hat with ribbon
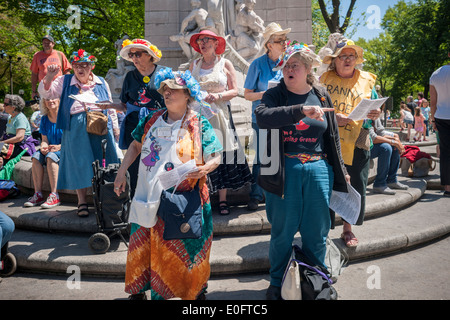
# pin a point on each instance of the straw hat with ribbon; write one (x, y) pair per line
(344, 45)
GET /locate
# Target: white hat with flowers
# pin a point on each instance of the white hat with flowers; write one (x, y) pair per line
(143, 44)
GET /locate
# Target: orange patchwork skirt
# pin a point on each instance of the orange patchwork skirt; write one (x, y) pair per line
(169, 268)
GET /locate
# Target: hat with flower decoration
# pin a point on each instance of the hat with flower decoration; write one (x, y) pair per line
(344, 45)
(294, 47)
(82, 56)
(178, 80)
(143, 44)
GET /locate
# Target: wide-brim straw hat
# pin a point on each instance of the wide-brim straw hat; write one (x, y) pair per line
(345, 45)
(220, 48)
(142, 44)
(301, 48)
(273, 29)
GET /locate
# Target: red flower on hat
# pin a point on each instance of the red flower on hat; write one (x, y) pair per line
(140, 41)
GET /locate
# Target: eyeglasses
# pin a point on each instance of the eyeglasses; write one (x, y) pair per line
(137, 54)
(83, 65)
(294, 66)
(205, 40)
(281, 41)
(350, 57)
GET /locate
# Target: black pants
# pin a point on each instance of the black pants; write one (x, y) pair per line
(443, 128)
(359, 176)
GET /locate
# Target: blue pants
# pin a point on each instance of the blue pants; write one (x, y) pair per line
(388, 162)
(6, 229)
(304, 208)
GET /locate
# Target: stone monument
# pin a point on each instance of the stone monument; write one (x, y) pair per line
(115, 77)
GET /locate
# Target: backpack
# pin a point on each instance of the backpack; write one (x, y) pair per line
(8, 189)
(303, 280)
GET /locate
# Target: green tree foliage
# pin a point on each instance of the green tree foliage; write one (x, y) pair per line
(420, 40)
(101, 23)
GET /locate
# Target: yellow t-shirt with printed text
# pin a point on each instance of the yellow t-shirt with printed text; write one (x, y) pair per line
(345, 94)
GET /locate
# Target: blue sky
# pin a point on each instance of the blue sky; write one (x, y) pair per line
(368, 28)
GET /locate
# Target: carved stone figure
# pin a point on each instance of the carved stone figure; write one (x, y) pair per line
(215, 16)
(249, 31)
(190, 25)
(115, 77)
(329, 48)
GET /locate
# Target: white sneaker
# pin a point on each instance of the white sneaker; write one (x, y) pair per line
(383, 190)
(398, 185)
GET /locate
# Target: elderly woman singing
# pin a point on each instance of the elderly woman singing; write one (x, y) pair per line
(78, 147)
(167, 140)
(309, 162)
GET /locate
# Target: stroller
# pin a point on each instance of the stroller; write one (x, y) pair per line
(111, 211)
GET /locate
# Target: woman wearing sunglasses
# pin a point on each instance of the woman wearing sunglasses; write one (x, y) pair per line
(217, 77)
(139, 96)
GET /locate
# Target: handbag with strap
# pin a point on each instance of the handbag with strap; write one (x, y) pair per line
(181, 213)
(96, 122)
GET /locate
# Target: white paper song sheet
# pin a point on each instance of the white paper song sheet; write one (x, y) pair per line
(347, 205)
(364, 107)
(86, 97)
(173, 177)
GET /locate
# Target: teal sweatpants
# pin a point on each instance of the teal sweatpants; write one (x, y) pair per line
(304, 208)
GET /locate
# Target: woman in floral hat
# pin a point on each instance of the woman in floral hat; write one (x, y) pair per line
(347, 86)
(308, 160)
(79, 149)
(139, 96)
(166, 140)
(217, 77)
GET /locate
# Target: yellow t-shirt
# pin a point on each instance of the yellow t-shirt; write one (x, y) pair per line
(346, 93)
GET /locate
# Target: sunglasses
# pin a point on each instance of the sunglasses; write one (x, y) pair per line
(137, 54)
(204, 40)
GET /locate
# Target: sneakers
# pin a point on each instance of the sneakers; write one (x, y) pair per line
(398, 185)
(35, 200)
(52, 201)
(383, 190)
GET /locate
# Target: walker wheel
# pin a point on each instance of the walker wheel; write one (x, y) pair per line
(9, 265)
(99, 243)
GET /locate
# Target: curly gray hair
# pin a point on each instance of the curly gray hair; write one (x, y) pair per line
(16, 101)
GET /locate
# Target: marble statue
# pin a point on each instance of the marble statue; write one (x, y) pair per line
(248, 31)
(115, 77)
(190, 25)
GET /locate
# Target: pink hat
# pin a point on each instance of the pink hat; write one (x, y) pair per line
(220, 48)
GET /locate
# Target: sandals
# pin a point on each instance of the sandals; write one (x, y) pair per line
(349, 237)
(224, 209)
(83, 210)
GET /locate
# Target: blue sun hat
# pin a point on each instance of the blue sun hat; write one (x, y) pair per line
(178, 80)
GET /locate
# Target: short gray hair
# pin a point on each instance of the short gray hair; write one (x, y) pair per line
(16, 101)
